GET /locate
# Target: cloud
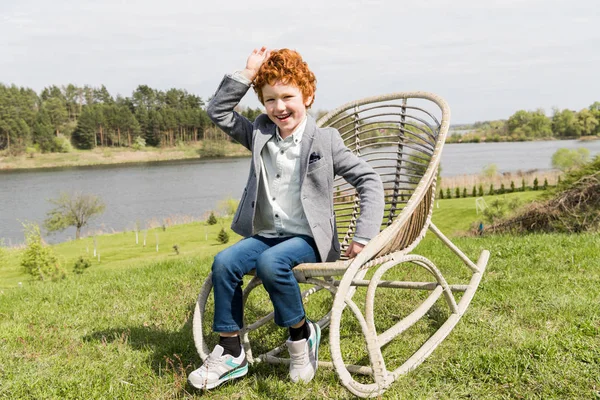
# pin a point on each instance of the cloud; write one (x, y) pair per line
(488, 58)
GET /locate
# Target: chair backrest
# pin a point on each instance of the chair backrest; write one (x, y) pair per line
(401, 136)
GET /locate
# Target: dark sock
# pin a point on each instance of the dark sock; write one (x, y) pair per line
(299, 333)
(231, 345)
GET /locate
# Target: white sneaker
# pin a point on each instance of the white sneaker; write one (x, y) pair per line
(304, 355)
(218, 368)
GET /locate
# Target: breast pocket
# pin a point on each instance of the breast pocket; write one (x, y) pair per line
(316, 165)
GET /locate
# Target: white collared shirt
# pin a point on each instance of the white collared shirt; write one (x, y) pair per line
(279, 211)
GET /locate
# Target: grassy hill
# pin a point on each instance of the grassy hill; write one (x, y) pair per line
(123, 328)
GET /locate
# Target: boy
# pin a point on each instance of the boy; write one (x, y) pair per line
(286, 211)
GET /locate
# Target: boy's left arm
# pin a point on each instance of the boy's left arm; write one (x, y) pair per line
(370, 189)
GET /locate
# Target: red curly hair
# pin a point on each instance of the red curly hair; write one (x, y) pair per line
(286, 66)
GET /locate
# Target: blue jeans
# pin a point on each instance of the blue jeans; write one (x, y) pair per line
(273, 259)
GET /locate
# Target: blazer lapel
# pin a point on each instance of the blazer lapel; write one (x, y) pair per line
(259, 143)
(307, 140)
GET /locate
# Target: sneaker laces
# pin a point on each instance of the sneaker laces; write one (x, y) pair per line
(211, 361)
(300, 359)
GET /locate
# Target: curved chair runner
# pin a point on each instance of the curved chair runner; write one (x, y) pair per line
(403, 142)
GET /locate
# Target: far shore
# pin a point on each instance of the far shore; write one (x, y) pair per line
(125, 155)
(114, 155)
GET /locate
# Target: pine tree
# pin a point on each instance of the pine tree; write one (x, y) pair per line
(523, 185)
(223, 236)
(448, 193)
(545, 183)
(465, 192)
(474, 192)
(492, 192)
(502, 189)
(212, 220)
(512, 186)
(442, 194)
(480, 191)
(457, 193)
(535, 184)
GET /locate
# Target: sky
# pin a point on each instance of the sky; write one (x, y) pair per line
(487, 58)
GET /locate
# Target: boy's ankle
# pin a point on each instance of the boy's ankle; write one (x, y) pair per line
(302, 332)
(231, 345)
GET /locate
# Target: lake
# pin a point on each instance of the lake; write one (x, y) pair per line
(189, 189)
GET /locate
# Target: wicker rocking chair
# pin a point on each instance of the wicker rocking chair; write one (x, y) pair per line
(403, 142)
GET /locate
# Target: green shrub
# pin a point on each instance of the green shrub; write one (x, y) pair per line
(465, 192)
(492, 191)
(62, 144)
(212, 148)
(536, 184)
(442, 194)
(81, 265)
(499, 208)
(545, 184)
(212, 220)
(38, 260)
(480, 191)
(502, 189)
(448, 193)
(223, 236)
(512, 186)
(228, 206)
(138, 143)
(474, 191)
(457, 193)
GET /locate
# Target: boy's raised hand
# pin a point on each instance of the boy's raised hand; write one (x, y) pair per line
(255, 60)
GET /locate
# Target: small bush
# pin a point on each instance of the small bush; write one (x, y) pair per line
(536, 184)
(480, 191)
(545, 187)
(492, 191)
(448, 193)
(212, 220)
(499, 208)
(138, 143)
(223, 236)
(457, 193)
(62, 144)
(38, 260)
(474, 191)
(512, 186)
(228, 206)
(212, 148)
(81, 265)
(442, 194)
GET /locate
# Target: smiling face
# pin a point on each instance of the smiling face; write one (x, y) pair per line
(285, 106)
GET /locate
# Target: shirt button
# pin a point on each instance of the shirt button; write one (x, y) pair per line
(276, 215)
(273, 199)
(278, 176)
(282, 151)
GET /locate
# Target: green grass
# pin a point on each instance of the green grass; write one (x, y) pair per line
(456, 215)
(123, 329)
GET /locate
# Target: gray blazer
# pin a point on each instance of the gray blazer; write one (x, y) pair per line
(316, 179)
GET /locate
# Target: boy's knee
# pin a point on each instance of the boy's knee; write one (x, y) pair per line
(222, 264)
(268, 268)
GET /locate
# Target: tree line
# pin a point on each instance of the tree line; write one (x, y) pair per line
(527, 125)
(88, 117)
